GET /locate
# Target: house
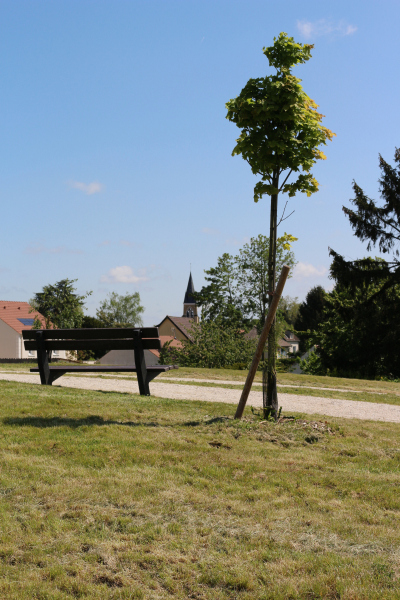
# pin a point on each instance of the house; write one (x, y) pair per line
(284, 348)
(293, 340)
(171, 329)
(14, 318)
(288, 344)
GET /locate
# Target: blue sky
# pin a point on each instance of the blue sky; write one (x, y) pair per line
(116, 164)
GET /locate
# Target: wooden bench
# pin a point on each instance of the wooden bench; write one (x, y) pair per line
(44, 341)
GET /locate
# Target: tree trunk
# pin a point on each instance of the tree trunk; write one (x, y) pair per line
(270, 402)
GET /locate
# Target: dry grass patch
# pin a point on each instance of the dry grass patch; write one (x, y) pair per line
(107, 495)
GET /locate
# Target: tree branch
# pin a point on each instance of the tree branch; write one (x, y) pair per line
(283, 214)
(260, 172)
(289, 174)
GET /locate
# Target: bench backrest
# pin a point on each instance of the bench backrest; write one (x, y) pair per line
(90, 339)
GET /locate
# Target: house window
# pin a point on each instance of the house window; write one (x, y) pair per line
(31, 353)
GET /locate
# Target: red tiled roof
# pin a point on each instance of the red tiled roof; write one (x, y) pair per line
(293, 337)
(252, 334)
(10, 312)
(167, 338)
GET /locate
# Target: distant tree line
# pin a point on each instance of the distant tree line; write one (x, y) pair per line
(63, 308)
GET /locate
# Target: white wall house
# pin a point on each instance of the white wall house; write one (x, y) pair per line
(14, 318)
(293, 340)
(289, 344)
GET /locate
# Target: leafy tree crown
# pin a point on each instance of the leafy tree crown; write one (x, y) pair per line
(120, 310)
(61, 306)
(285, 53)
(237, 288)
(281, 127)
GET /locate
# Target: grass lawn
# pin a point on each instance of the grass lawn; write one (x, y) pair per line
(108, 495)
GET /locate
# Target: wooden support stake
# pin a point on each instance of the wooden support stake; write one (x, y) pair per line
(262, 341)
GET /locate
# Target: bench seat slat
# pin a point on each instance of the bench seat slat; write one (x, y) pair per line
(93, 334)
(103, 368)
(99, 344)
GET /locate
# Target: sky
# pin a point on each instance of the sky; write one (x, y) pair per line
(116, 166)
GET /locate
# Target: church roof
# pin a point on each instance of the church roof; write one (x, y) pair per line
(189, 297)
(184, 324)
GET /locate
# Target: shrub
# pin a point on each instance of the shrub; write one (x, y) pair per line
(211, 346)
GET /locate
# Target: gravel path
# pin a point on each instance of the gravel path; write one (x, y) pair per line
(229, 382)
(290, 402)
(259, 383)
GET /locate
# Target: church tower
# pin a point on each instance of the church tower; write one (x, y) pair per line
(189, 303)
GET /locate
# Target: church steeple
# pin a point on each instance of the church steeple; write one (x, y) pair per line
(189, 303)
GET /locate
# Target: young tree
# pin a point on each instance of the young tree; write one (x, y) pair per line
(61, 306)
(280, 139)
(121, 310)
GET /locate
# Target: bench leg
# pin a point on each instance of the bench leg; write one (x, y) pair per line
(140, 364)
(55, 375)
(144, 388)
(43, 360)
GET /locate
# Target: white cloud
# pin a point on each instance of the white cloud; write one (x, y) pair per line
(303, 270)
(128, 244)
(36, 248)
(305, 28)
(89, 188)
(124, 274)
(235, 242)
(322, 27)
(209, 231)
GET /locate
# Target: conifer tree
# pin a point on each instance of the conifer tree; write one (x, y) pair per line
(379, 225)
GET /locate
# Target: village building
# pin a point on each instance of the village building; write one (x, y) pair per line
(15, 317)
(171, 329)
(177, 329)
(293, 340)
